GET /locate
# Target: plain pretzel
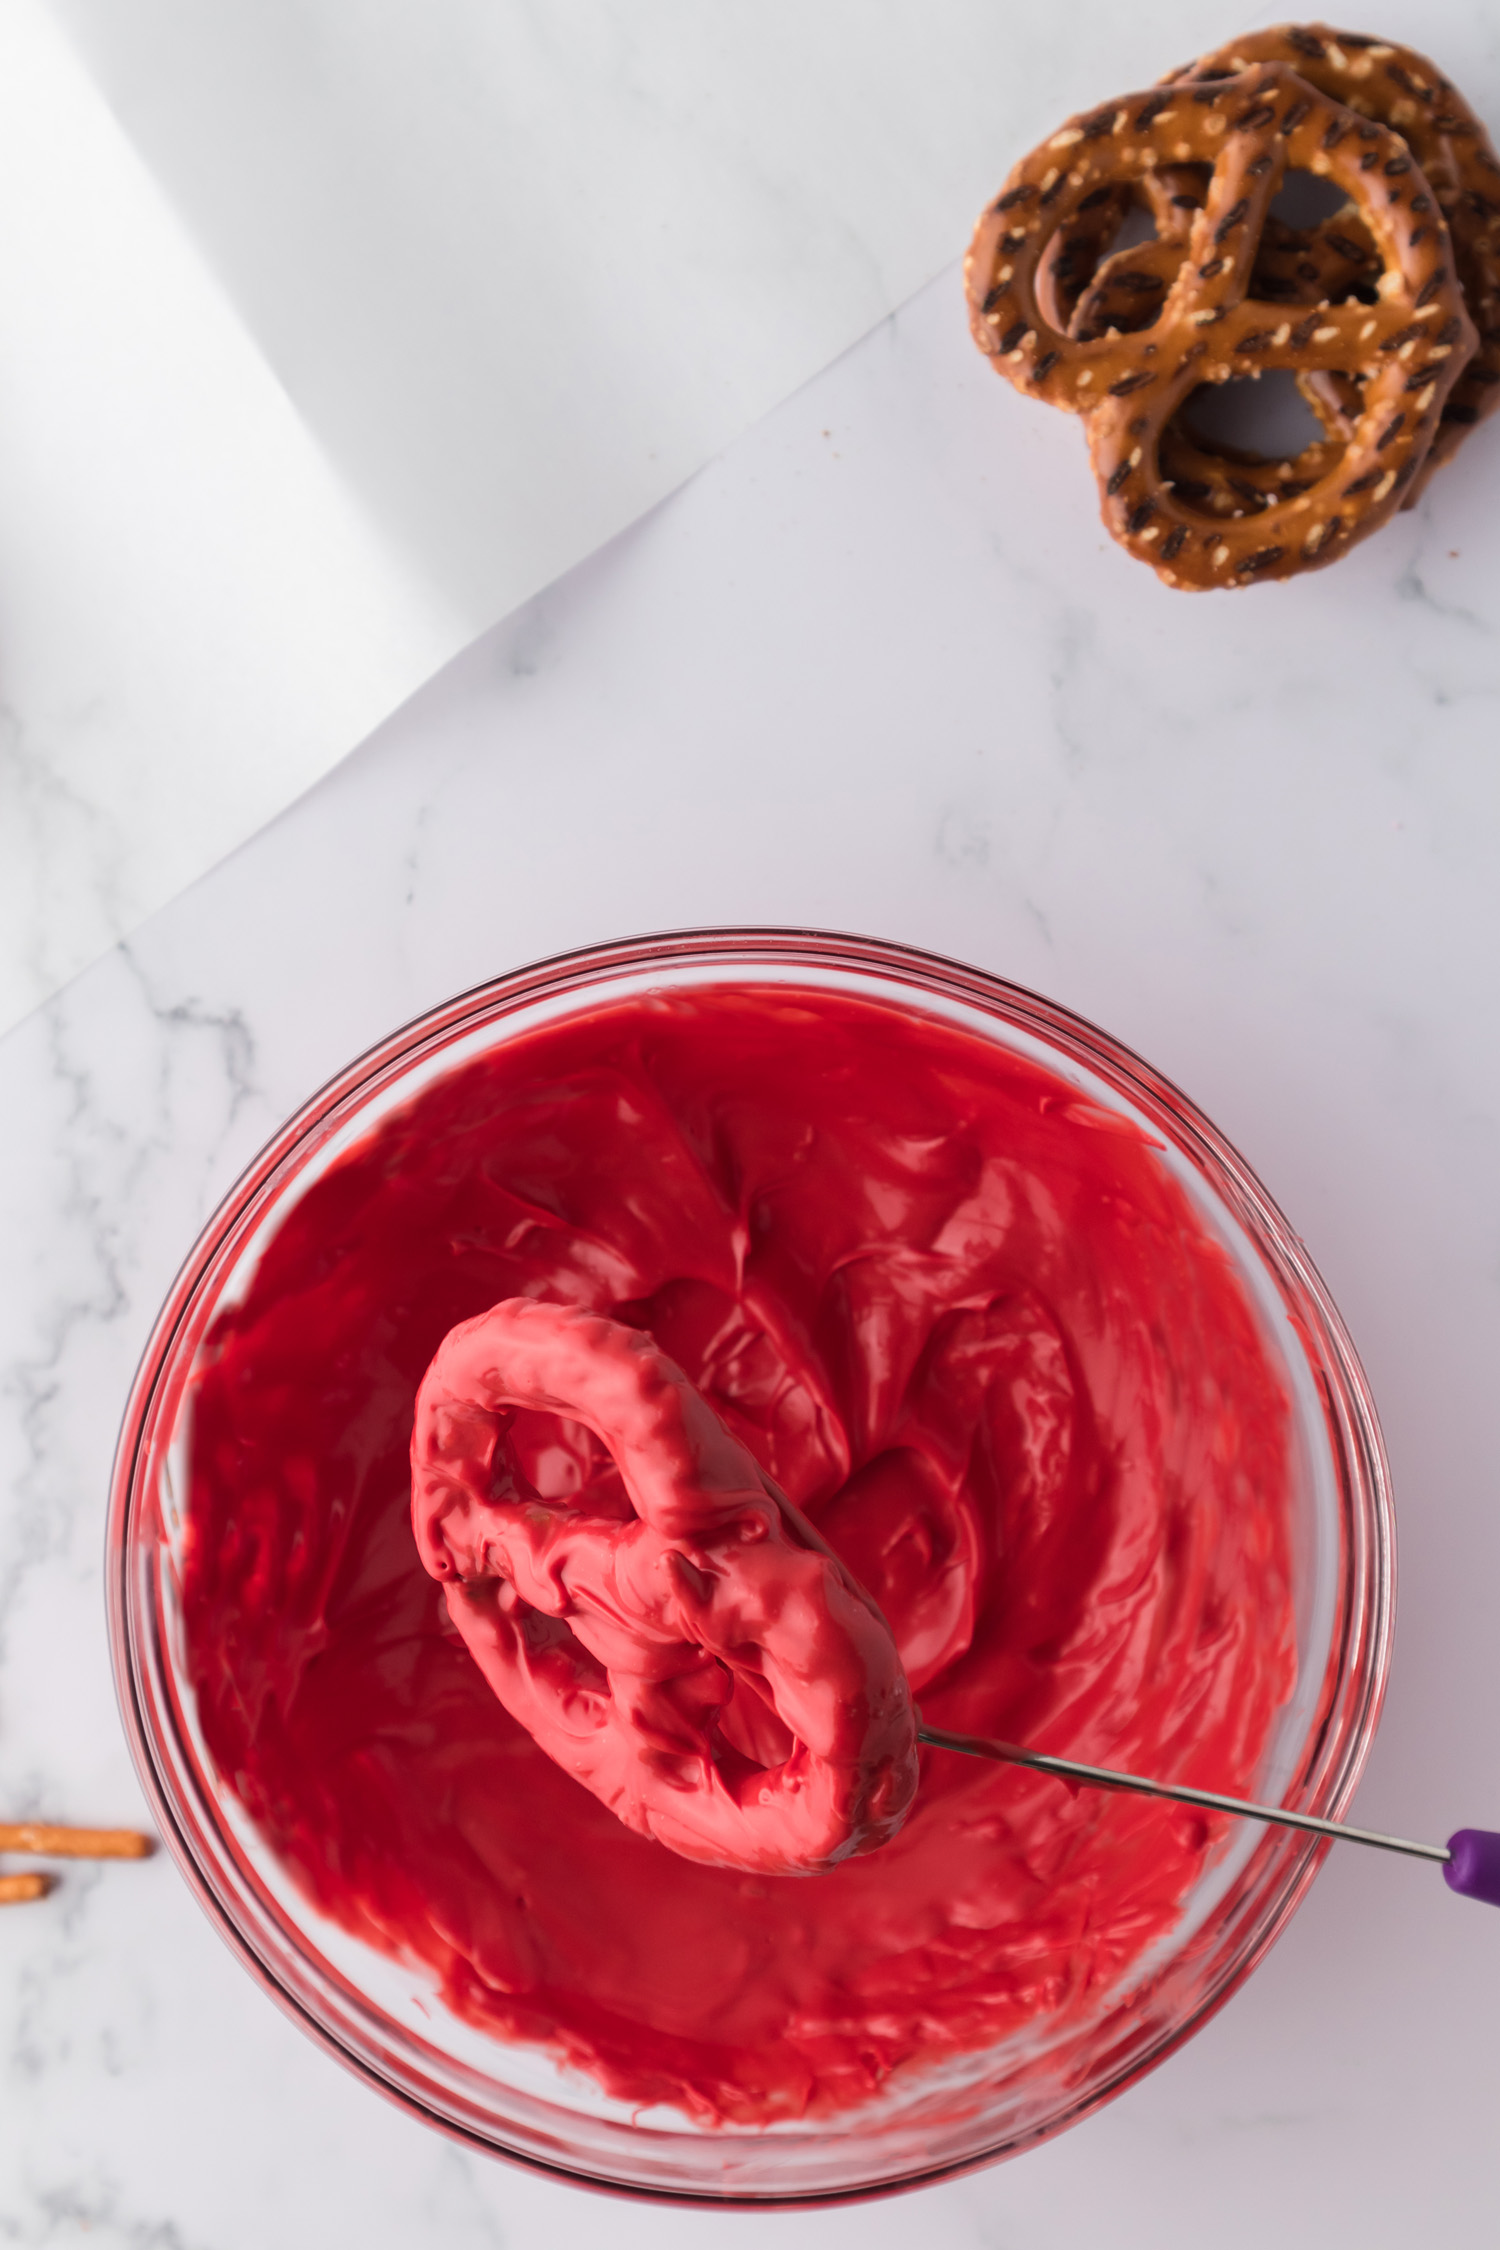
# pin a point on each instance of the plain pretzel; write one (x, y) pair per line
(1401, 89)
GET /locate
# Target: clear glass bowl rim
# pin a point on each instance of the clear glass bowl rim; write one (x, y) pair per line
(1353, 1687)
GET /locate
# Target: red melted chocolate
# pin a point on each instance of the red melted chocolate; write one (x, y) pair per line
(971, 1327)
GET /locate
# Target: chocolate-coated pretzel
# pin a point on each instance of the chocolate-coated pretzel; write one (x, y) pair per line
(1404, 350)
(1405, 92)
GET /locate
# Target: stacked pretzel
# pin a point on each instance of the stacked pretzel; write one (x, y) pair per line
(1387, 311)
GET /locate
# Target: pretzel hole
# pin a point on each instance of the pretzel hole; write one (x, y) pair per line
(552, 1644)
(1137, 226)
(1304, 200)
(1121, 220)
(1256, 419)
(1122, 293)
(753, 1728)
(548, 1458)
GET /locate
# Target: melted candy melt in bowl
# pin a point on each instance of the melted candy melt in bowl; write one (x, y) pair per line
(381, 2008)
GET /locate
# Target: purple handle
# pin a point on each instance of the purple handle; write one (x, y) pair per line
(1474, 1869)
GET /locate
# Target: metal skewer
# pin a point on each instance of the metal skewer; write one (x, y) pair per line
(1104, 1777)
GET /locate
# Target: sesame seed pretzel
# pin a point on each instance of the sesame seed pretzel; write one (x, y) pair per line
(678, 1638)
(1293, 265)
(1405, 92)
(1249, 129)
(1224, 481)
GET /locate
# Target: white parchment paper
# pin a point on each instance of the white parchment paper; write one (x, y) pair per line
(331, 330)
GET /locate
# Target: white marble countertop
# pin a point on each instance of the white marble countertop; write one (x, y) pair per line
(878, 668)
(330, 333)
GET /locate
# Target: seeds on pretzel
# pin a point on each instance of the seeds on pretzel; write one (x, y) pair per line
(1248, 130)
(1398, 88)
(1022, 280)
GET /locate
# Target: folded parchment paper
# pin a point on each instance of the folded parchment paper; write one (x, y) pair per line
(330, 330)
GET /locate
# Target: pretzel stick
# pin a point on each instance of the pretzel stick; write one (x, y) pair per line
(16, 1889)
(71, 1843)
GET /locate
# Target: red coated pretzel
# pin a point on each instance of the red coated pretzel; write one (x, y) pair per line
(686, 1647)
(1404, 350)
(1404, 91)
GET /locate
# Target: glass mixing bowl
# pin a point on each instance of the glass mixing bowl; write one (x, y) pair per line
(383, 2020)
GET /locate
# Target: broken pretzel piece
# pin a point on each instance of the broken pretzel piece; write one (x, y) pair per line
(15, 1890)
(51, 1841)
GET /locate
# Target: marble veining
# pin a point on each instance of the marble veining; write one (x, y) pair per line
(876, 668)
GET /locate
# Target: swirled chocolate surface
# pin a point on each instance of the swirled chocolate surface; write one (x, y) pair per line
(974, 1330)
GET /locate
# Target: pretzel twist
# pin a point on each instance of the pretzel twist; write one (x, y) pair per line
(1403, 352)
(1293, 265)
(700, 1660)
(1403, 91)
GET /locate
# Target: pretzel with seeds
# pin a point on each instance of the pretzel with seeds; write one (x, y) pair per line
(1331, 259)
(1225, 481)
(1405, 350)
(1403, 91)
(1293, 265)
